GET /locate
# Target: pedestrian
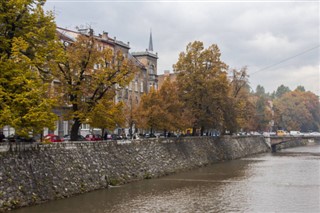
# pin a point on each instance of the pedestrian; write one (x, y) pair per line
(1, 136)
(105, 136)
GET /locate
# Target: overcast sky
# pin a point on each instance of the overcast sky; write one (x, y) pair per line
(277, 41)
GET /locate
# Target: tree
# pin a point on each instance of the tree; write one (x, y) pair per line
(203, 85)
(281, 90)
(175, 118)
(87, 73)
(150, 114)
(260, 91)
(162, 109)
(131, 113)
(240, 108)
(263, 113)
(301, 88)
(298, 110)
(106, 114)
(26, 46)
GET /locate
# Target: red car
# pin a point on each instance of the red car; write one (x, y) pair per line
(93, 137)
(52, 138)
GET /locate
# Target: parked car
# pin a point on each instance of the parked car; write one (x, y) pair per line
(117, 137)
(295, 133)
(17, 138)
(148, 135)
(93, 137)
(272, 133)
(281, 133)
(52, 138)
(314, 133)
(68, 138)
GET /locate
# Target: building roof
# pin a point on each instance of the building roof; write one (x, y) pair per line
(145, 53)
(72, 35)
(136, 61)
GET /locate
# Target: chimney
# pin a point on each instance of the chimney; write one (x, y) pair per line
(105, 35)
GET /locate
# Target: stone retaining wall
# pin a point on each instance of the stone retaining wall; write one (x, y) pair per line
(33, 174)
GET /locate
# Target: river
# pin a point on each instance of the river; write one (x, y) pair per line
(286, 181)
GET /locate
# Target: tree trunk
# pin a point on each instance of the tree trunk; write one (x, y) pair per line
(201, 131)
(75, 129)
(165, 133)
(194, 131)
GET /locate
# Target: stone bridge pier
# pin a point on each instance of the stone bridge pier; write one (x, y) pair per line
(278, 142)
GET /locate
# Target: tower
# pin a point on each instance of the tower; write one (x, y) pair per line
(150, 42)
(149, 60)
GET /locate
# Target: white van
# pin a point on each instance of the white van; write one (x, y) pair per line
(295, 133)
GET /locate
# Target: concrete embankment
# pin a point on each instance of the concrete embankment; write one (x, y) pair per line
(32, 175)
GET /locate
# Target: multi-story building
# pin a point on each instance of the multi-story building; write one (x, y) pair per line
(166, 75)
(144, 79)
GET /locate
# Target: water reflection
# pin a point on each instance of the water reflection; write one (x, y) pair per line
(287, 181)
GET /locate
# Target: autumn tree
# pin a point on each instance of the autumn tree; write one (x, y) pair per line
(176, 117)
(26, 46)
(162, 110)
(130, 112)
(297, 110)
(150, 113)
(241, 109)
(106, 114)
(203, 85)
(87, 73)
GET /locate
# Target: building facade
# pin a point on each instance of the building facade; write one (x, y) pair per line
(144, 79)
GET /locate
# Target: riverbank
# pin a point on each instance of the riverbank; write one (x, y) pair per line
(37, 174)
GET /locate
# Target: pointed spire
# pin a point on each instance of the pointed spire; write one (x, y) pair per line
(150, 42)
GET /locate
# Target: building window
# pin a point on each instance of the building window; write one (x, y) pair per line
(85, 126)
(136, 86)
(141, 86)
(65, 128)
(151, 70)
(126, 94)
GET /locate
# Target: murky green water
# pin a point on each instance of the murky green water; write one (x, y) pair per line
(287, 181)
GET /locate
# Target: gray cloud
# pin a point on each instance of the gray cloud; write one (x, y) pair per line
(247, 33)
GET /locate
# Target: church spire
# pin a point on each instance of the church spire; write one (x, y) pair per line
(150, 42)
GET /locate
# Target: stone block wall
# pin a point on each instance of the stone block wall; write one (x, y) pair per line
(34, 174)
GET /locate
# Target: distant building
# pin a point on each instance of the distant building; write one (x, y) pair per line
(166, 75)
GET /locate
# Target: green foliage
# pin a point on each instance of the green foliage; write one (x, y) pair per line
(27, 38)
(263, 113)
(281, 90)
(260, 91)
(301, 88)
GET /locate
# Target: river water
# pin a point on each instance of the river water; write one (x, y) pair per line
(286, 181)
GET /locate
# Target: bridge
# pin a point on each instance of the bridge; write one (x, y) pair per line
(275, 141)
